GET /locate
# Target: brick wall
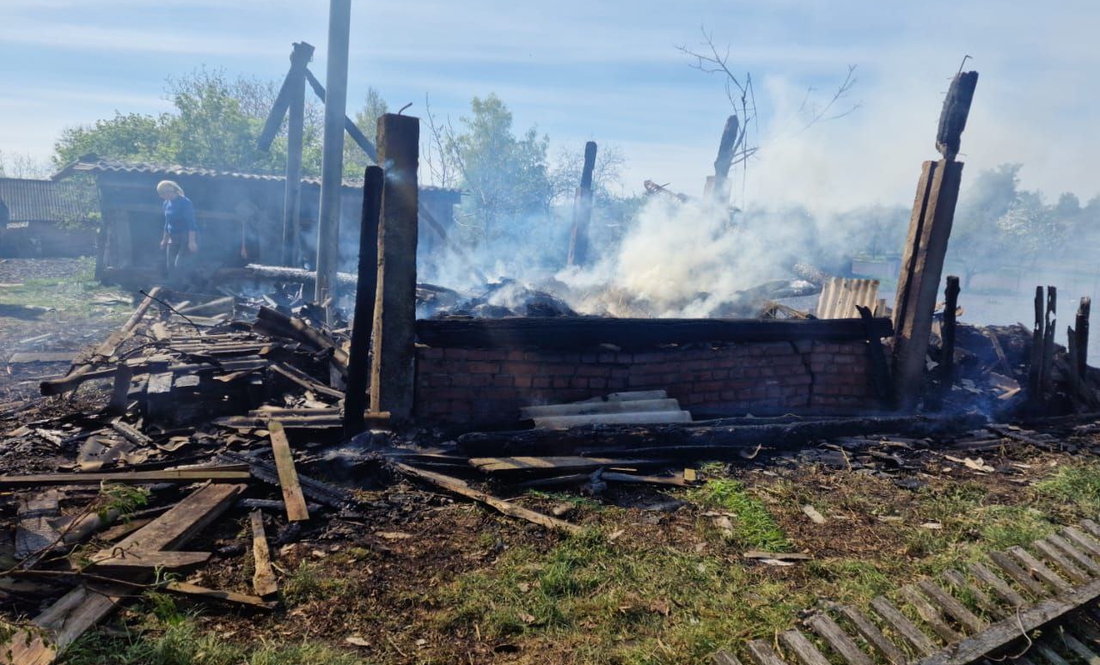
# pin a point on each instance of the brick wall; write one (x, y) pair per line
(478, 386)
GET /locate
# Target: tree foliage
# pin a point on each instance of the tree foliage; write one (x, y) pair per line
(505, 176)
(215, 123)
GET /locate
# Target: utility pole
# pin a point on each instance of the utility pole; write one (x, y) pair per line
(332, 161)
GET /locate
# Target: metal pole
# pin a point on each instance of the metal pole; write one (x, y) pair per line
(332, 161)
(292, 202)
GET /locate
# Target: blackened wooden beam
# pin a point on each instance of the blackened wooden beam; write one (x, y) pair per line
(922, 268)
(355, 400)
(1082, 335)
(394, 331)
(956, 109)
(578, 333)
(582, 210)
(947, 359)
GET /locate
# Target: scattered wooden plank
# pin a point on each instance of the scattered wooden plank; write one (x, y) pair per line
(215, 594)
(549, 464)
(461, 488)
(903, 626)
(778, 556)
(323, 493)
(870, 632)
(150, 560)
(835, 637)
(80, 609)
(614, 477)
(726, 658)
(797, 643)
(34, 533)
(20, 357)
(589, 408)
(263, 579)
(305, 381)
(296, 510)
(213, 474)
(1049, 655)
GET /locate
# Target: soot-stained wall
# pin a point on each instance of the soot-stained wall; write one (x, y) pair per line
(488, 386)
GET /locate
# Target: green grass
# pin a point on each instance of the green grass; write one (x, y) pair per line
(71, 297)
(168, 636)
(1074, 484)
(753, 526)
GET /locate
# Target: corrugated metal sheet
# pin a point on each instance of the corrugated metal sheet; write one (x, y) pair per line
(93, 164)
(840, 295)
(45, 200)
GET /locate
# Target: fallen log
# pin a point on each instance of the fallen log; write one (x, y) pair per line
(683, 439)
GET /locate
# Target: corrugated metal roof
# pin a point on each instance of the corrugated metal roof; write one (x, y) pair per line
(839, 297)
(45, 200)
(94, 164)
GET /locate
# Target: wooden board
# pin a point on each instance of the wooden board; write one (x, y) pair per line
(150, 560)
(217, 594)
(875, 637)
(461, 488)
(296, 510)
(35, 534)
(903, 626)
(807, 653)
(835, 637)
(213, 474)
(554, 464)
(263, 579)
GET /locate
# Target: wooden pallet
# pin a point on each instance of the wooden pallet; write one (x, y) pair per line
(989, 611)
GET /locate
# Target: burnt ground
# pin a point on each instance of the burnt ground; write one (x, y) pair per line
(413, 575)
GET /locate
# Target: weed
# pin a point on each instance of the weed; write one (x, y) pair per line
(1076, 484)
(755, 528)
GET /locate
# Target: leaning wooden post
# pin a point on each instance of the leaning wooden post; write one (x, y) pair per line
(947, 360)
(355, 399)
(295, 130)
(392, 379)
(582, 210)
(926, 245)
(1035, 360)
(1082, 339)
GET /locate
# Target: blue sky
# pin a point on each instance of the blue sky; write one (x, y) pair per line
(610, 72)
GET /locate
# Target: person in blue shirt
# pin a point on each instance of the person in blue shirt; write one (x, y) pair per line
(181, 231)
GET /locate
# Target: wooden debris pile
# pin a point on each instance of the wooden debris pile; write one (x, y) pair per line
(190, 433)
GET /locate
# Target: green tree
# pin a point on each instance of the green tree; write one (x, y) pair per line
(366, 119)
(507, 178)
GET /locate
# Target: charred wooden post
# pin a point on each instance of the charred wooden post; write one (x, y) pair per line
(332, 160)
(1049, 332)
(292, 199)
(947, 360)
(355, 401)
(922, 266)
(926, 246)
(726, 149)
(1082, 335)
(582, 210)
(392, 379)
(1035, 360)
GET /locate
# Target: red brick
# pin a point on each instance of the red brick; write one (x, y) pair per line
(523, 381)
(482, 367)
(594, 370)
(540, 382)
(504, 380)
(481, 380)
(560, 382)
(456, 354)
(515, 356)
(597, 383)
(428, 352)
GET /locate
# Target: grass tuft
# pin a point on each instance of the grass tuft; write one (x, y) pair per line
(754, 526)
